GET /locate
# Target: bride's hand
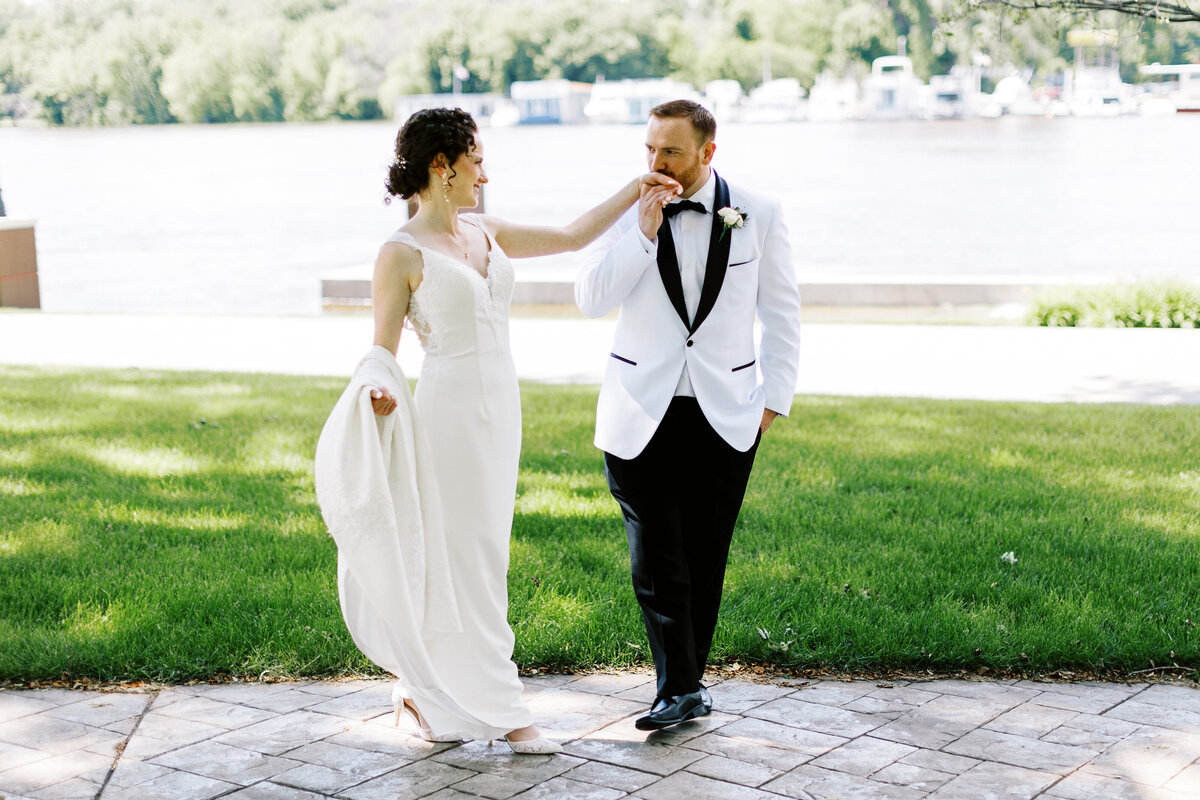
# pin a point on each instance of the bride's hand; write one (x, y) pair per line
(656, 179)
(382, 401)
(650, 206)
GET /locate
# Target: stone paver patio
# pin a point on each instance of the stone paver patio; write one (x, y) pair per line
(812, 740)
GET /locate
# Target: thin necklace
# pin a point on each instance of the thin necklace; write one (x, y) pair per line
(465, 250)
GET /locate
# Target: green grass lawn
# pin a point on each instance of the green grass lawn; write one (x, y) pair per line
(161, 525)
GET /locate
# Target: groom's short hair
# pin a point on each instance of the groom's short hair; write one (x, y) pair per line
(701, 118)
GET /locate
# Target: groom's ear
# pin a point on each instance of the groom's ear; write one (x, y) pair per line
(707, 151)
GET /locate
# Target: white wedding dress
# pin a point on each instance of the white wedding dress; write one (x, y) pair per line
(468, 404)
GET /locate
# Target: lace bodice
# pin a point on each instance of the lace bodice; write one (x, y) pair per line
(456, 311)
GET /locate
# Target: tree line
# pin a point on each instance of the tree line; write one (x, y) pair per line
(117, 62)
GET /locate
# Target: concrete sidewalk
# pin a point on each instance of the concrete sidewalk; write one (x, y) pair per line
(970, 362)
(828, 740)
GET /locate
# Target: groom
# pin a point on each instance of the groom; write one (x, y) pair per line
(682, 409)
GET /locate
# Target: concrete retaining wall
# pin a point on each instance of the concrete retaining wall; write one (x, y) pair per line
(351, 287)
(18, 264)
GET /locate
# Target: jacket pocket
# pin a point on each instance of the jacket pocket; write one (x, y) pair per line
(743, 366)
(623, 360)
(743, 263)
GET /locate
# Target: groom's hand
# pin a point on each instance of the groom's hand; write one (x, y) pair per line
(653, 196)
(768, 417)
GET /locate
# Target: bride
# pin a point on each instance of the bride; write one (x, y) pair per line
(450, 277)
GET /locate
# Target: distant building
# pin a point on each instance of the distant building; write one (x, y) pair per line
(724, 98)
(551, 101)
(779, 100)
(630, 100)
(833, 98)
(487, 109)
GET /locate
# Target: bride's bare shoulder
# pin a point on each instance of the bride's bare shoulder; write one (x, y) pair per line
(399, 258)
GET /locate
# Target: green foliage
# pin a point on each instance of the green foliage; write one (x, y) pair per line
(197, 81)
(161, 525)
(1161, 42)
(98, 62)
(456, 43)
(1169, 11)
(1129, 305)
(599, 39)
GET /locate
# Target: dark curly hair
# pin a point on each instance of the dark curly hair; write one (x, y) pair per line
(449, 131)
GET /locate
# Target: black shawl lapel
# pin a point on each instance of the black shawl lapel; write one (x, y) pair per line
(718, 258)
(668, 270)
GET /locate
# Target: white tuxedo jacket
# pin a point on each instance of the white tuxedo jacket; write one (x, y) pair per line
(748, 271)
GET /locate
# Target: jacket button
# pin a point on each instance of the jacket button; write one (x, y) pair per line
(689, 342)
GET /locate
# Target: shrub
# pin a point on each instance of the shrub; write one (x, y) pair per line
(1126, 305)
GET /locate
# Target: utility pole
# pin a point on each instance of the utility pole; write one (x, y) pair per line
(460, 73)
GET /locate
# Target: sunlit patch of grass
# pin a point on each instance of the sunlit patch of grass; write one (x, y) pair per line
(146, 460)
(215, 388)
(19, 486)
(276, 449)
(1001, 457)
(44, 533)
(91, 619)
(162, 525)
(567, 494)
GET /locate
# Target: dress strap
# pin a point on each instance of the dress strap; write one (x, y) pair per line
(404, 237)
(477, 221)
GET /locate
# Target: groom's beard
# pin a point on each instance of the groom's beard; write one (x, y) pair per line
(686, 179)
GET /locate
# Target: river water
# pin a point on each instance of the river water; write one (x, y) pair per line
(247, 218)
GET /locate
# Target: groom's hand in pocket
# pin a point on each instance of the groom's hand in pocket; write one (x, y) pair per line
(382, 401)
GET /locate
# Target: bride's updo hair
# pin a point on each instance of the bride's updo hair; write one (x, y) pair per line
(449, 131)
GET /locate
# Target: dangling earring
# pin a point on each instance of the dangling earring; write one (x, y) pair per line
(446, 190)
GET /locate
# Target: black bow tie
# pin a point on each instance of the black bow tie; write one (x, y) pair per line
(671, 209)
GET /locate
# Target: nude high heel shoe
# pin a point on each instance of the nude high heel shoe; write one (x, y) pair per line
(400, 704)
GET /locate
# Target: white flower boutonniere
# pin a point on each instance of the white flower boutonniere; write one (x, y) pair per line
(732, 218)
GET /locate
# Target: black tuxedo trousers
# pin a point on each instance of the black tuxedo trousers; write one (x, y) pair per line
(680, 498)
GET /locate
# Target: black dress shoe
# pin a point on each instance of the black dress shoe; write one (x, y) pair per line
(706, 699)
(672, 711)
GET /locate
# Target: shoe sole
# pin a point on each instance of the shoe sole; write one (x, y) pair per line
(646, 724)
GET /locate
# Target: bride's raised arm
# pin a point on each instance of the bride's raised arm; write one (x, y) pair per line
(527, 241)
